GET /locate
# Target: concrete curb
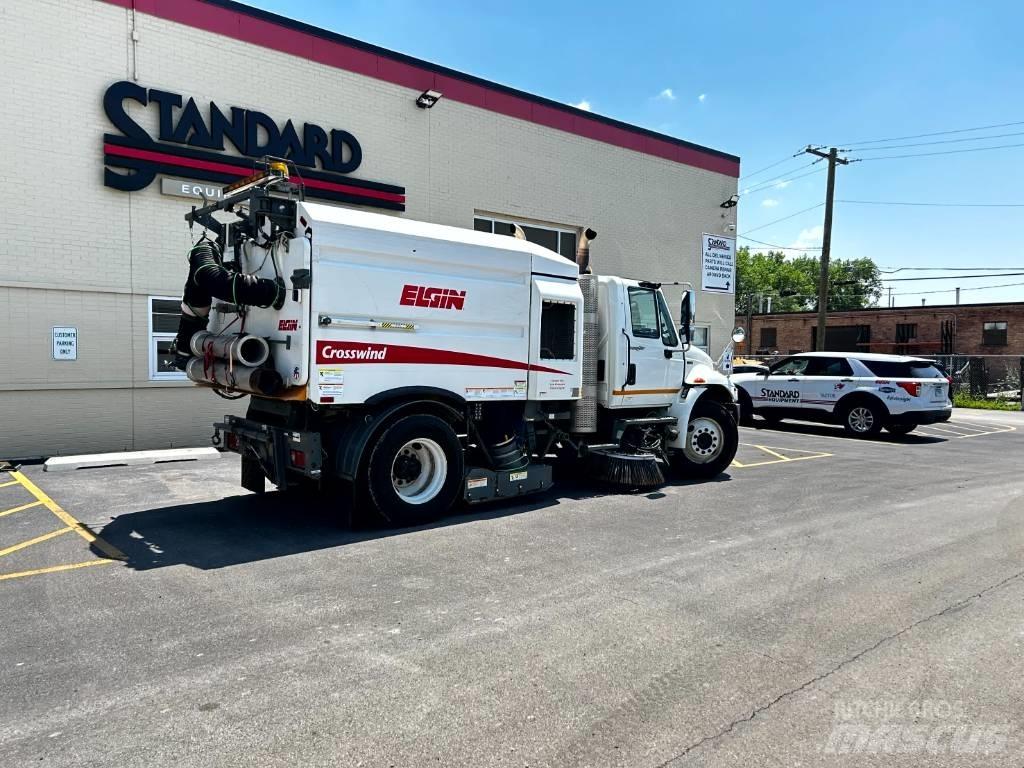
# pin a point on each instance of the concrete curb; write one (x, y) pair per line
(131, 458)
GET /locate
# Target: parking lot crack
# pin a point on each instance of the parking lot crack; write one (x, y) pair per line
(732, 725)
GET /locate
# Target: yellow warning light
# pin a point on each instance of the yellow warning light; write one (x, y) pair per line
(281, 168)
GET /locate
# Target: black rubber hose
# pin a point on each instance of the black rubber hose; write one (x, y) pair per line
(208, 279)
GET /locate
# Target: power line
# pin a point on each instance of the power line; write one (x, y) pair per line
(953, 290)
(935, 133)
(768, 182)
(784, 218)
(932, 143)
(941, 269)
(933, 205)
(775, 184)
(932, 154)
(768, 167)
(781, 247)
(947, 277)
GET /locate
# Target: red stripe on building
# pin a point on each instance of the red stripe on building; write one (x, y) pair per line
(210, 165)
(250, 28)
(357, 352)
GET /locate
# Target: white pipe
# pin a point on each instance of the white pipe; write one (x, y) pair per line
(249, 350)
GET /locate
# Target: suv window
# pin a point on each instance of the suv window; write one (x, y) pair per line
(892, 369)
(791, 366)
(828, 366)
(643, 313)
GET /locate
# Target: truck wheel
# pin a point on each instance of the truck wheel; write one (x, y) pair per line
(862, 418)
(709, 444)
(415, 470)
(901, 429)
(746, 409)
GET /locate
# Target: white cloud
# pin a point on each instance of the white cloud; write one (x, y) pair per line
(584, 105)
(783, 184)
(769, 202)
(809, 238)
(702, 97)
(666, 95)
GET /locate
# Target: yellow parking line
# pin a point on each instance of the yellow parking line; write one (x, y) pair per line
(737, 464)
(31, 504)
(56, 568)
(993, 432)
(108, 549)
(10, 482)
(773, 453)
(36, 540)
(785, 461)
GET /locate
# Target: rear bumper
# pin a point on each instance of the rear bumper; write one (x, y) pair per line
(922, 417)
(276, 448)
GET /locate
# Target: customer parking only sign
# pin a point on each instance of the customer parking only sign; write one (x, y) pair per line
(718, 264)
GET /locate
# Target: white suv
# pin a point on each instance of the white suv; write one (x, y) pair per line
(863, 392)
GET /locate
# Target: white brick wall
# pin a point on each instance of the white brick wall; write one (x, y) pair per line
(73, 252)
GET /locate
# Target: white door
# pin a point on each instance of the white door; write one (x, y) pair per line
(655, 364)
(782, 387)
(824, 381)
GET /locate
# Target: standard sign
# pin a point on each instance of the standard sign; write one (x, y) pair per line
(65, 343)
(718, 264)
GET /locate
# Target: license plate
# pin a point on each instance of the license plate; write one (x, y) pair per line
(938, 393)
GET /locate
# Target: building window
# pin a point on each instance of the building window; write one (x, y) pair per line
(769, 338)
(993, 334)
(164, 312)
(701, 338)
(561, 241)
(905, 332)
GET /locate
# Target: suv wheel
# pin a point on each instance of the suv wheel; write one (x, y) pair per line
(862, 418)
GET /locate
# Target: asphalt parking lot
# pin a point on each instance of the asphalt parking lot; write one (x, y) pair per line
(830, 601)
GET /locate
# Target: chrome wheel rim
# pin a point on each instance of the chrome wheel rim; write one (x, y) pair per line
(860, 419)
(705, 440)
(419, 470)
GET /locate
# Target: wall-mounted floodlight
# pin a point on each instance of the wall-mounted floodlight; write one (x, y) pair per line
(731, 202)
(427, 99)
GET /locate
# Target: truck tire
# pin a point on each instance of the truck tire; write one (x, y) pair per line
(709, 444)
(862, 418)
(415, 470)
(746, 409)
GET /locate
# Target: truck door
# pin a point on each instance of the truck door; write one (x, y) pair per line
(654, 360)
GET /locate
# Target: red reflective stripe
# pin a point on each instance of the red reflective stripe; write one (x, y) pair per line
(394, 354)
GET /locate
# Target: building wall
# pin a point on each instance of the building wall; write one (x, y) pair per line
(793, 330)
(74, 252)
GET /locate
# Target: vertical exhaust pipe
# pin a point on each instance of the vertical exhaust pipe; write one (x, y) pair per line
(583, 250)
(584, 410)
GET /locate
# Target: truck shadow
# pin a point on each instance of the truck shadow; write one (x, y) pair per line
(248, 527)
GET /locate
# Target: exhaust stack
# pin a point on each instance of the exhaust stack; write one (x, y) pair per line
(583, 251)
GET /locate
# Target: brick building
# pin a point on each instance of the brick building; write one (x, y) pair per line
(116, 112)
(963, 329)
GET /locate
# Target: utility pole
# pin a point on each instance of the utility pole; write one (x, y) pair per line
(826, 241)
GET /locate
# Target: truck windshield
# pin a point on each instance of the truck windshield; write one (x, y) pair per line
(643, 313)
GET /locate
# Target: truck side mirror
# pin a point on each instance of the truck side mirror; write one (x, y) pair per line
(631, 374)
(687, 313)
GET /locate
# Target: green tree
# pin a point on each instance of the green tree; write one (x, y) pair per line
(793, 282)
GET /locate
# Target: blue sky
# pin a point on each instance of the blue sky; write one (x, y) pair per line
(762, 80)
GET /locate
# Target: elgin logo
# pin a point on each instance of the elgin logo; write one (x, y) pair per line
(287, 325)
(435, 298)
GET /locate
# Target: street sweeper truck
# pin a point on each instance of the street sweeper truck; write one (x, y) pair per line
(420, 365)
